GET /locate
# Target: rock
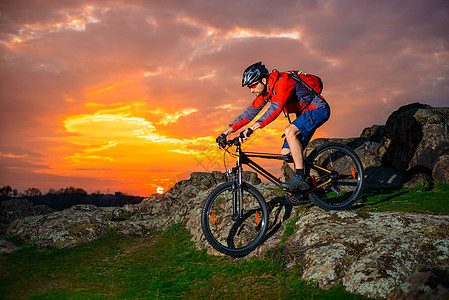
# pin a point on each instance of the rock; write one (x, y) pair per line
(76, 225)
(440, 171)
(420, 180)
(367, 150)
(287, 172)
(383, 178)
(430, 283)
(155, 211)
(375, 133)
(367, 253)
(7, 247)
(14, 209)
(417, 135)
(201, 180)
(251, 178)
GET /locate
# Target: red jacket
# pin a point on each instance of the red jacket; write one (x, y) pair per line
(284, 93)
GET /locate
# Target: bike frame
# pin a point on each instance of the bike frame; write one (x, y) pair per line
(243, 158)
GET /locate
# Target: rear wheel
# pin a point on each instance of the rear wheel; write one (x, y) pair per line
(337, 176)
(228, 233)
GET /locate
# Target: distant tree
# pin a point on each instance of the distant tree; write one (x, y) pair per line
(72, 190)
(6, 191)
(52, 192)
(33, 192)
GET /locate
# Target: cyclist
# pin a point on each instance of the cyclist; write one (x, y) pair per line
(284, 94)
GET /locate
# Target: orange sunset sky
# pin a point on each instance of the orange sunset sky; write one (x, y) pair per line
(130, 95)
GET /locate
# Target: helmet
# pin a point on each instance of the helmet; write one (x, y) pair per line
(253, 73)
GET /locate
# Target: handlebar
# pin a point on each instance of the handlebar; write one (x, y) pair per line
(236, 141)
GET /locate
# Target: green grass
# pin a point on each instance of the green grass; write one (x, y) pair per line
(422, 199)
(156, 265)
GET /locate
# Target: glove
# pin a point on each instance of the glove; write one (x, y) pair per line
(246, 133)
(221, 141)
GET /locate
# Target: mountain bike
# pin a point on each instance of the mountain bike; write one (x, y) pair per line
(235, 216)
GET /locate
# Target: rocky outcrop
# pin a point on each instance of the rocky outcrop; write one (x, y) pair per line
(440, 170)
(426, 283)
(78, 224)
(416, 136)
(375, 133)
(414, 140)
(14, 209)
(368, 253)
(7, 247)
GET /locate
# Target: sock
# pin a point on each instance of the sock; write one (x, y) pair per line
(300, 173)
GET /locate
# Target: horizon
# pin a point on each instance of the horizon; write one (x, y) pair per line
(129, 96)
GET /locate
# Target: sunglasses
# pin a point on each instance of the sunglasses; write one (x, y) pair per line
(253, 86)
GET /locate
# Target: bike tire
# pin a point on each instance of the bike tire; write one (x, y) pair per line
(346, 184)
(234, 237)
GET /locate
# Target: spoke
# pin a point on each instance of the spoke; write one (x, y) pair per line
(347, 183)
(229, 232)
(341, 187)
(331, 163)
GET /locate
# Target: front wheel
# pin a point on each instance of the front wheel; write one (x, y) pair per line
(226, 231)
(337, 174)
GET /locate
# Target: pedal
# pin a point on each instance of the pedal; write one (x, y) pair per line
(295, 199)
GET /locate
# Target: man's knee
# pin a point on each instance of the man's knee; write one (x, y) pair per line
(291, 130)
(285, 151)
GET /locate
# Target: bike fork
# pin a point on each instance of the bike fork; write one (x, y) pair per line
(237, 194)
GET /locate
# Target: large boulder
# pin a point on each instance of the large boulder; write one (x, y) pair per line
(426, 283)
(416, 136)
(414, 140)
(197, 181)
(375, 133)
(368, 151)
(7, 247)
(11, 210)
(76, 225)
(367, 253)
(440, 171)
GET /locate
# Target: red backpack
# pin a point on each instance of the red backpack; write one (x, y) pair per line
(310, 82)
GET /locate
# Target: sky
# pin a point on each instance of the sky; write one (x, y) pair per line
(128, 96)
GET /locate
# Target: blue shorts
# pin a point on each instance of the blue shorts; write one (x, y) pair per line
(307, 123)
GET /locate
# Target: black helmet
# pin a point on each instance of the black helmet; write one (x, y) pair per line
(253, 73)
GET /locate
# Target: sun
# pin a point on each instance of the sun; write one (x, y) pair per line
(160, 190)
